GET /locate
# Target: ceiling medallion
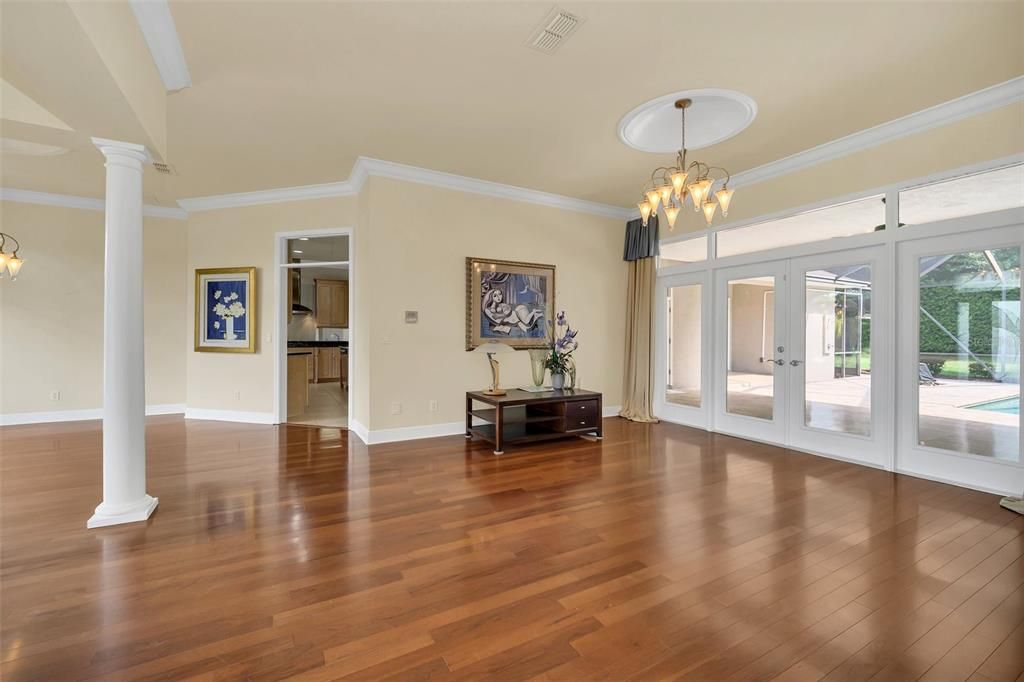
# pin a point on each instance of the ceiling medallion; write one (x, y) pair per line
(670, 186)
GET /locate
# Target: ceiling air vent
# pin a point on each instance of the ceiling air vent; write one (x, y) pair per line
(165, 168)
(552, 32)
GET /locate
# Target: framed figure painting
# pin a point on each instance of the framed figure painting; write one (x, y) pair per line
(509, 302)
(226, 310)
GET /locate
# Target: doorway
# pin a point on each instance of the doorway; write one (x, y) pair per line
(315, 325)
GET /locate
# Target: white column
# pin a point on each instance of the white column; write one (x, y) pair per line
(124, 372)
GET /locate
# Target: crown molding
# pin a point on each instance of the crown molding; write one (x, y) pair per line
(27, 196)
(157, 26)
(973, 104)
(461, 183)
(270, 196)
(365, 167)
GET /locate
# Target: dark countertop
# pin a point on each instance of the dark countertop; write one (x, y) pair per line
(318, 344)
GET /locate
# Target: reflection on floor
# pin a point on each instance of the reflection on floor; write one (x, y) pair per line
(661, 552)
(845, 405)
(328, 406)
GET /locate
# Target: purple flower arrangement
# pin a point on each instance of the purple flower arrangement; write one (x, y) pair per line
(562, 343)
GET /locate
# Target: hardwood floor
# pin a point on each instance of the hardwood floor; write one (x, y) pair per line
(660, 552)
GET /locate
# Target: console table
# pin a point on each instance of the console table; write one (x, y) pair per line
(524, 417)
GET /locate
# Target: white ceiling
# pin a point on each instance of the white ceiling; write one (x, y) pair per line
(291, 93)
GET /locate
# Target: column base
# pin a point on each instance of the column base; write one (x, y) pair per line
(132, 514)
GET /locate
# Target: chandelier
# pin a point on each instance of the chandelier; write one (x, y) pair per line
(670, 186)
(9, 262)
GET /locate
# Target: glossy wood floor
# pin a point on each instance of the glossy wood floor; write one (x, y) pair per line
(661, 552)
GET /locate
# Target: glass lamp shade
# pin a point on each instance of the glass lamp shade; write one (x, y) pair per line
(645, 210)
(13, 266)
(653, 198)
(696, 191)
(724, 196)
(665, 192)
(3, 263)
(671, 212)
(679, 182)
(709, 210)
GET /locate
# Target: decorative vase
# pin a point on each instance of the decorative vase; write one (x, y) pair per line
(537, 358)
(557, 381)
(229, 332)
(572, 374)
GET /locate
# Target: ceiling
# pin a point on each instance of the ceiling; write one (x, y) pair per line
(291, 93)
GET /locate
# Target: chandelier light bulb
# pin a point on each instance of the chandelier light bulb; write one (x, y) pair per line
(724, 196)
(645, 210)
(13, 266)
(679, 182)
(709, 210)
(665, 192)
(696, 190)
(653, 198)
(671, 212)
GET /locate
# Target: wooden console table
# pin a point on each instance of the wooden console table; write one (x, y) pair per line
(524, 417)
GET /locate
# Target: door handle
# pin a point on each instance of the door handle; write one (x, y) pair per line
(796, 363)
(780, 362)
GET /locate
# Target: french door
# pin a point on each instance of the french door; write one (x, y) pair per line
(801, 353)
(682, 370)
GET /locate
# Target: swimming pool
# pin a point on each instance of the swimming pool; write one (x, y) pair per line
(1004, 406)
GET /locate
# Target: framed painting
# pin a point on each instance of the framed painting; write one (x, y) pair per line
(509, 302)
(226, 310)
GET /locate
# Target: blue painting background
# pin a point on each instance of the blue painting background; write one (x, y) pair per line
(239, 286)
(517, 290)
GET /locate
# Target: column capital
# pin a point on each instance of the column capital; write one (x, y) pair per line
(123, 150)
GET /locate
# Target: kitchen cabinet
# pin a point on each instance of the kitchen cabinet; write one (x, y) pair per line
(298, 387)
(331, 303)
(329, 364)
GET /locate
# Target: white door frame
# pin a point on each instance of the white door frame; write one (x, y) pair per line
(772, 430)
(697, 417)
(281, 315)
(975, 471)
(874, 449)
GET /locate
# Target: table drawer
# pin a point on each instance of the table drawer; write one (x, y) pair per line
(578, 409)
(578, 422)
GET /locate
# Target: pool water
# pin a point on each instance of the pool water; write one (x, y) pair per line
(1005, 406)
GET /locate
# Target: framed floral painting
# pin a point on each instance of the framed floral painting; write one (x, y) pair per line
(226, 310)
(508, 301)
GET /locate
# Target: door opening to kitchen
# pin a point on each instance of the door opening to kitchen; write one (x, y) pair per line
(316, 307)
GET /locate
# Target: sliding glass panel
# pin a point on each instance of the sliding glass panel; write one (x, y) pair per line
(967, 195)
(837, 351)
(684, 358)
(855, 217)
(751, 334)
(969, 352)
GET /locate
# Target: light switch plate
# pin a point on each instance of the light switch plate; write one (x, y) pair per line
(412, 316)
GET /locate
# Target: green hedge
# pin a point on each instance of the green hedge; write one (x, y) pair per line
(942, 303)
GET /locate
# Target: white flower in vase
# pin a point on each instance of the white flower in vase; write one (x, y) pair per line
(217, 294)
(216, 325)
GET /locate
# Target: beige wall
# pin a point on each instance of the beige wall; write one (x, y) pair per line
(686, 336)
(749, 326)
(992, 135)
(236, 237)
(51, 318)
(411, 256)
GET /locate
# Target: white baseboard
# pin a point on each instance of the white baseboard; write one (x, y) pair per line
(357, 427)
(430, 430)
(78, 415)
(230, 416)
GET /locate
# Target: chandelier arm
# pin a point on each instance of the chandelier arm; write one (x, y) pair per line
(3, 240)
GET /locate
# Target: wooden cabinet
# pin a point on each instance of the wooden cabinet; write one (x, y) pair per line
(328, 364)
(331, 303)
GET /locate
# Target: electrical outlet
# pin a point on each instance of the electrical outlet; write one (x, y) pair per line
(396, 408)
(54, 395)
(433, 406)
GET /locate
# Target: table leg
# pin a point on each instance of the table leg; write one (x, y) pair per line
(499, 428)
(600, 417)
(469, 417)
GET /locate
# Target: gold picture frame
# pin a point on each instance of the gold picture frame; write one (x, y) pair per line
(508, 301)
(230, 295)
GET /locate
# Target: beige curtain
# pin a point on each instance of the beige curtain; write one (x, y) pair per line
(637, 388)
